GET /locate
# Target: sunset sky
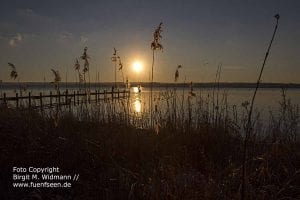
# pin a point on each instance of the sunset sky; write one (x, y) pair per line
(39, 35)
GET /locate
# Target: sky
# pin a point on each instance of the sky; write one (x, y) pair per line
(38, 35)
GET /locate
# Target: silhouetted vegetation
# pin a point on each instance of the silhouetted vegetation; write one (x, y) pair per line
(191, 155)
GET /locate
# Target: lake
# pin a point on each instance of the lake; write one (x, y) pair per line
(266, 99)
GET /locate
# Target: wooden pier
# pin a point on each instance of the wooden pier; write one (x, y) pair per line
(64, 98)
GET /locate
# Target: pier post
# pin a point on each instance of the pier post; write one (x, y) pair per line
(66, 97)
(17, 100)
(29, 99)
(41, 101)
(4, 98)
(59, 98)
(77, 97)
(74, 96)
(96, 96)
(50, 98)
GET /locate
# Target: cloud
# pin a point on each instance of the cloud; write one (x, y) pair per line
(83, 39)
(26, 11)
(65, 35)
(29, 14)
(16, 40)
(30, 21)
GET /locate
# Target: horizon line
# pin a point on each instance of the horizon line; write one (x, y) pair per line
(155, 82)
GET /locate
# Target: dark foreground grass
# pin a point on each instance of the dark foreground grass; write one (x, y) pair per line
(117, 161)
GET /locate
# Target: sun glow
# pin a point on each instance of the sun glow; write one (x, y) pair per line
(137, 66)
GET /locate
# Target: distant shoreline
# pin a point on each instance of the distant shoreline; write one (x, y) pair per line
(158, 84)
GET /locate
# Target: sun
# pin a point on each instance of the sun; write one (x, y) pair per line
(137, 66)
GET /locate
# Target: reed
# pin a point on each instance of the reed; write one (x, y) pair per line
(57, 80)
(114, 59)
(175, 92)
(86, 67)
(119, 157)
(121, 69)
(14, 75)
(249, 120)
(155, 45)
(77, 68)
(117, 61)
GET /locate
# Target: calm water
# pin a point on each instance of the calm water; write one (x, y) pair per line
(266, 99)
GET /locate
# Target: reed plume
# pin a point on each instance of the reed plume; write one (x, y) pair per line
(77, 68)
(114, 59)
(86, 65)
(77, 65)
(155, 44)
(120, 63)
(13, 73)
(121, 68)
(177, 73)
(57, 79)
(85, 56)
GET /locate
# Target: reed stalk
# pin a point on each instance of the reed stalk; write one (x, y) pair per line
(249, 123)
(155, 45)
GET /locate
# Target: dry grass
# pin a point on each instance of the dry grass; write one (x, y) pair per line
(195, 155)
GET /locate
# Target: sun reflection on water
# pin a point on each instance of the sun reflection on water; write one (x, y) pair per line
(135, 89)
(137, 105)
